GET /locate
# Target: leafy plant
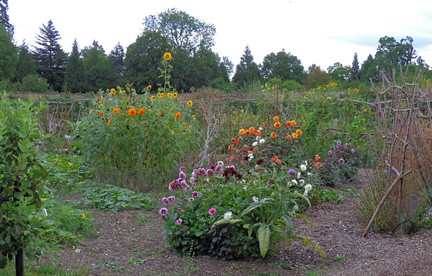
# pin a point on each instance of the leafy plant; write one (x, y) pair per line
(20, 177)
(113, 198)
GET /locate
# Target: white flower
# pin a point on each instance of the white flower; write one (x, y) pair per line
(44, 212)
(77, 250)
(245, 188)
(303, 167)
(260, 128)
(298, 175)
(250, 156)
(254, 144)
(227, 215)
(258, 138)
(255, 199)
(294, 182)
(262, 141)
(301, 182)
(308, 187)
(295, 208)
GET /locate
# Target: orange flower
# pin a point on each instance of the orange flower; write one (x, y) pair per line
(167, 56)
(319, 165)
(255, 149)
(295, 135)
(293, 123)
(251, 130)
(248, 132)
(178, 115)
(277, 124)
(273, 134)
(100, 113)
(317, 157)
(242, 131)
(231, 158)
(116, 111)
(299, 132)
(109, 122)
(230, 147)
(141, 112)
(149, 87)
(288, 124)
(262, 124)
(278, 161)
(132, 112)
(257, 132)
(288, 137)
(275, 118)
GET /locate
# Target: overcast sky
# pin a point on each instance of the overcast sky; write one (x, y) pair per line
(315, 31)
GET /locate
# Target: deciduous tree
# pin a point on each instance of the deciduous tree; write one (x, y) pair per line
(284, 66)
(8, 55)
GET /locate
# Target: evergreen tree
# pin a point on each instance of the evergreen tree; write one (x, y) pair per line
(355, 69)
(4, 17)
(8, 55)
(370, 71)
(50, 57)
(117, 60)
(75, 73)
(247, 71)
(26, 63)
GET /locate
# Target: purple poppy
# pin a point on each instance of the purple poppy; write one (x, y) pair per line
(165, 200)
(195, 194)
(341, 161)
(182, 176)
(171, 198)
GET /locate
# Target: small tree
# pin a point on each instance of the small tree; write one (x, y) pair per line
(20, 174)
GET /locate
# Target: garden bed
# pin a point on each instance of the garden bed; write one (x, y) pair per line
(131, 243)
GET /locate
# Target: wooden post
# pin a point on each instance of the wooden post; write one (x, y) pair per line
(19, 263)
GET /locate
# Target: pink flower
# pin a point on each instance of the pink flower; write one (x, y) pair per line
(212, 211)
(163, 211)
(195, 194)
(179, 210)
(165, 200)
(179, 221)
(255, 199)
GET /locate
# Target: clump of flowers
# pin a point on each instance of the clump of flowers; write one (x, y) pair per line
(241, 209)
(269, 144)
(341, 163)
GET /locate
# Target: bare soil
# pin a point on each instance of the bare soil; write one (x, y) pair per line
(132, 243)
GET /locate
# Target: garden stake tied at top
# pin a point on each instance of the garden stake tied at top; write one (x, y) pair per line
(408, 146)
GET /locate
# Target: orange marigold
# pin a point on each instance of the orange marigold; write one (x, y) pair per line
(288, 124)
(277, 124)
(262, 124)
(141, 112)
(132, 112)
(248, 132)
(318, 164)
(273, 134)
(276, 118)
(299, 132)
(109, 122)
(295, 135)
(116, 111)
(230, 147)
(242, 131)
(317, 157)
(293, 123)
(251, 129)
(231, 158)
(288, 137)
(100, 113)
(257, 132)
(178, 115)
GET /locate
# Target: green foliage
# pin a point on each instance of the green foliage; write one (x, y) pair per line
(284, 66)
(32, 83)
(8, 55)
(113, 198)
(26, 63)
(50, 57)
(142, 136)
(247, 71)
(75, 73)
(20, 176)
(142, 58)
(341, 164)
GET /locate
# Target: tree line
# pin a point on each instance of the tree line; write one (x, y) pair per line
(47, 66)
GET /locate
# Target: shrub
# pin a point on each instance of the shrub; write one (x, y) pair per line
(20, 177)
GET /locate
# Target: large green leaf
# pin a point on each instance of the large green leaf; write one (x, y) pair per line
(264, 234)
